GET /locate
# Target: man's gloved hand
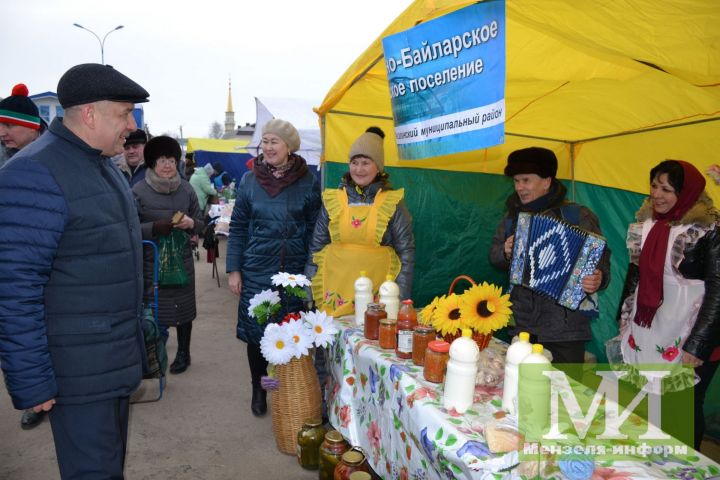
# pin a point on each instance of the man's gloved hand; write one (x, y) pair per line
(269, 383)
(161, 227)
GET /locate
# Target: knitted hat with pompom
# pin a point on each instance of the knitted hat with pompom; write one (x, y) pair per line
(18, 109)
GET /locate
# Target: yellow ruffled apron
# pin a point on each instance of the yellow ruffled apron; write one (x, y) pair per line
(355, 235)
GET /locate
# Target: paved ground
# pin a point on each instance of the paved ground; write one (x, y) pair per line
(201, 429)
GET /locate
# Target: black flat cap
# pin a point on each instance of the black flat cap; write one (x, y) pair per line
(92, 82)
(537, 160)
(138, 136)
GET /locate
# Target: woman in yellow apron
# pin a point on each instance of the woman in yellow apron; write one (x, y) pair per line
(363, 225)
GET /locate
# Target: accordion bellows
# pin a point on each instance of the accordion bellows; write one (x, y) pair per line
(551, 257)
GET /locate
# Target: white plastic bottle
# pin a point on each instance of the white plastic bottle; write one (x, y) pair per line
(363, 296)
(390, 295)
(461, 372)
(515, 354)
(534, 393)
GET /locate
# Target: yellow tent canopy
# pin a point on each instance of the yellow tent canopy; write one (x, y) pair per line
(215, 145)
(611, 87)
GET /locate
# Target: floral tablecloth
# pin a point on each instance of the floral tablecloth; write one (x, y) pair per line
(384, 405)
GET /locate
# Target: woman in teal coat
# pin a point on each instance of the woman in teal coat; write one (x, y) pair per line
(276, 206)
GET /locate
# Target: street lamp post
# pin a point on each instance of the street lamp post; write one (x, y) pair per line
(101, 42)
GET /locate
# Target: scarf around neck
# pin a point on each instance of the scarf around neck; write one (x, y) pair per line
(162, 185)
(652, 255)
(275, 179)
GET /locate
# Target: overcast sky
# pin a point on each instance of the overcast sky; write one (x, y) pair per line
(183, 51)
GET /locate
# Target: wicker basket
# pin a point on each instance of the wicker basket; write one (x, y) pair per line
(482, 339)
(295, 401)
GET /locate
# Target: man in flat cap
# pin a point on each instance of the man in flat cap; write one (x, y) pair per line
(132, 162)
(562, 331)
(70, 263)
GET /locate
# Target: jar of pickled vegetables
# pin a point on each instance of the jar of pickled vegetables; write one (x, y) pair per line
(388, 332)
(436, 359)
(351, 461)
(374, 313)
(309, 439)
(331, 451)
(422, 335)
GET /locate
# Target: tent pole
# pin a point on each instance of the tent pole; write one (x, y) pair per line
(322, 152)
(572, 169)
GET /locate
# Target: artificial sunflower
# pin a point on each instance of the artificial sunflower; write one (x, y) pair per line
(426, 314)
(447, 318)
(484, 308)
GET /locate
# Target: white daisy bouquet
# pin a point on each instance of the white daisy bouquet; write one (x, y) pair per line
(266, 304)
(282, 342)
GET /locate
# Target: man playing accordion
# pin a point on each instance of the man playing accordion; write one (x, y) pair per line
(537, 191)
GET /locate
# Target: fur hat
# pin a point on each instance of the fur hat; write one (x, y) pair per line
(370, 145)
(537, 160)
(92, 82)
(284, 130)
(161, 146)
(18, 109)
(218, 167)
(138, 136)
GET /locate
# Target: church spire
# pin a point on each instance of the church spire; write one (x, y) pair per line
(229, 105)
(229, 114)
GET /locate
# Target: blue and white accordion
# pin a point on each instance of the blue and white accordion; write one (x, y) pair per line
(551, 257)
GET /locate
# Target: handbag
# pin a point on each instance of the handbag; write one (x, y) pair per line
(172, 272)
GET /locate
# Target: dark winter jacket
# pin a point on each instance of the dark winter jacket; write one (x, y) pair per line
(399, 234)
(70, 266)
(697, 256)
(176, 305)
(534, 313)
(269, 235)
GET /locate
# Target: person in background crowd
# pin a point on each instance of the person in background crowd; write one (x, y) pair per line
(365, 214)
(203, 186)
(132, 162)
(20, 124)
(189, 165)
(670, 313)
(561, 330)
(71, 345)
(275, 210)
(158, 197)
(221, 179)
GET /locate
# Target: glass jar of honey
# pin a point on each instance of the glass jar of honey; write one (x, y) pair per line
(374, 313)
(406, 323)
(388, 333)
(436, 358)
(422, 335)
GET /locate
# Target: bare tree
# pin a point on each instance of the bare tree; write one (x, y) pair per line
(216, 130)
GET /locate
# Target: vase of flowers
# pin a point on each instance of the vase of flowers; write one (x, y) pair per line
(481, 308)
(289, 347)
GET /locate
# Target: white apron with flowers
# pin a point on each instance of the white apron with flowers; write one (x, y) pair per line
(662, 342)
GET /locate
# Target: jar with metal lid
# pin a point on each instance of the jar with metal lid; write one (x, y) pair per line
(388, 332)
(406, 323)
(360, 476)
(309, 439)
(331, 451)
(436, 358)
(422, 335)
(351, 461)
(374, 313)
